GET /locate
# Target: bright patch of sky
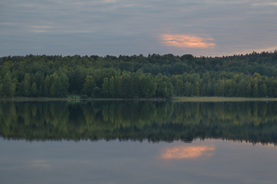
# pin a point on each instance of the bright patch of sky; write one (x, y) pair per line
(128, 27)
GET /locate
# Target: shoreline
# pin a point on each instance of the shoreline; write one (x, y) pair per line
(173, 99)
(219, 99)
(41, 99)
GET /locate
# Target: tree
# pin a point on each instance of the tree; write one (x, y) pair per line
(126, 85)
(161, 89)
(47, 82)
(255, 90)
(45, 91)
(52, 90)
(105, 87)
(210, 89)
(230, 86)
(89, 85)
(256, 75)
(249, 90)
(164, 87)
(8, 87)
(187, 91)
(169, 89)
(55, 82)
(1, 87)
(241, 88)
(147, 87)
(179, 88)
(59, 88)
(40, 92)
(204, 90)
(77, 80)
(26, 84)
(96, 92)
(34, 89)
(217, 90)
(112, 87)
(196, 89)
(263, 90)
(222, 87)
(39, 79)
(64, 85)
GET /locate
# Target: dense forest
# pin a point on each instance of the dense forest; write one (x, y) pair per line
(139, 120)
(154, 76)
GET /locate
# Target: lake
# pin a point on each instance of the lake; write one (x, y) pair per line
(122, 142)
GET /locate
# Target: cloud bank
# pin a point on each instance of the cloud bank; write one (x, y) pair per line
(127, 27)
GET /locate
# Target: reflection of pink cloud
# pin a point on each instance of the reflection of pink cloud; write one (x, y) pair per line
(187, 152)
(187, 41)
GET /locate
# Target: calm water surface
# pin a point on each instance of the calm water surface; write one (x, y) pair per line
(138, 142)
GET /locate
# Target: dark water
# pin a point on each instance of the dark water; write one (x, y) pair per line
(138, 142)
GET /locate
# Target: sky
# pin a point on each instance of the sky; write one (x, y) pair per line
(133, 27)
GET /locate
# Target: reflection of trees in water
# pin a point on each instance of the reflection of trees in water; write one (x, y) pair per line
(138, 120)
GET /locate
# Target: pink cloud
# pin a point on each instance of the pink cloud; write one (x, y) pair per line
(186, 41)
(190, 152)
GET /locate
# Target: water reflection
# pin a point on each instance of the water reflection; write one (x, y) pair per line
(187, 152)
(138, 120)
(125, 162)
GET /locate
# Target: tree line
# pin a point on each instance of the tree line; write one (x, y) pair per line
(154, 76)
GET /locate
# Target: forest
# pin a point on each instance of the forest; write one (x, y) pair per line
(152, 76)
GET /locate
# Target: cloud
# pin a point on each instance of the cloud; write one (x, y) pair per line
(265, 4)
(41, 29)
(186, 41)
(205, 27)
(190, 152)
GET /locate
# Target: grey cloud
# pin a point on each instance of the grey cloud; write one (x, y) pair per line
(134, 27)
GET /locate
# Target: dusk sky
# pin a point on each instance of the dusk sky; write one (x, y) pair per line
(128, 27)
